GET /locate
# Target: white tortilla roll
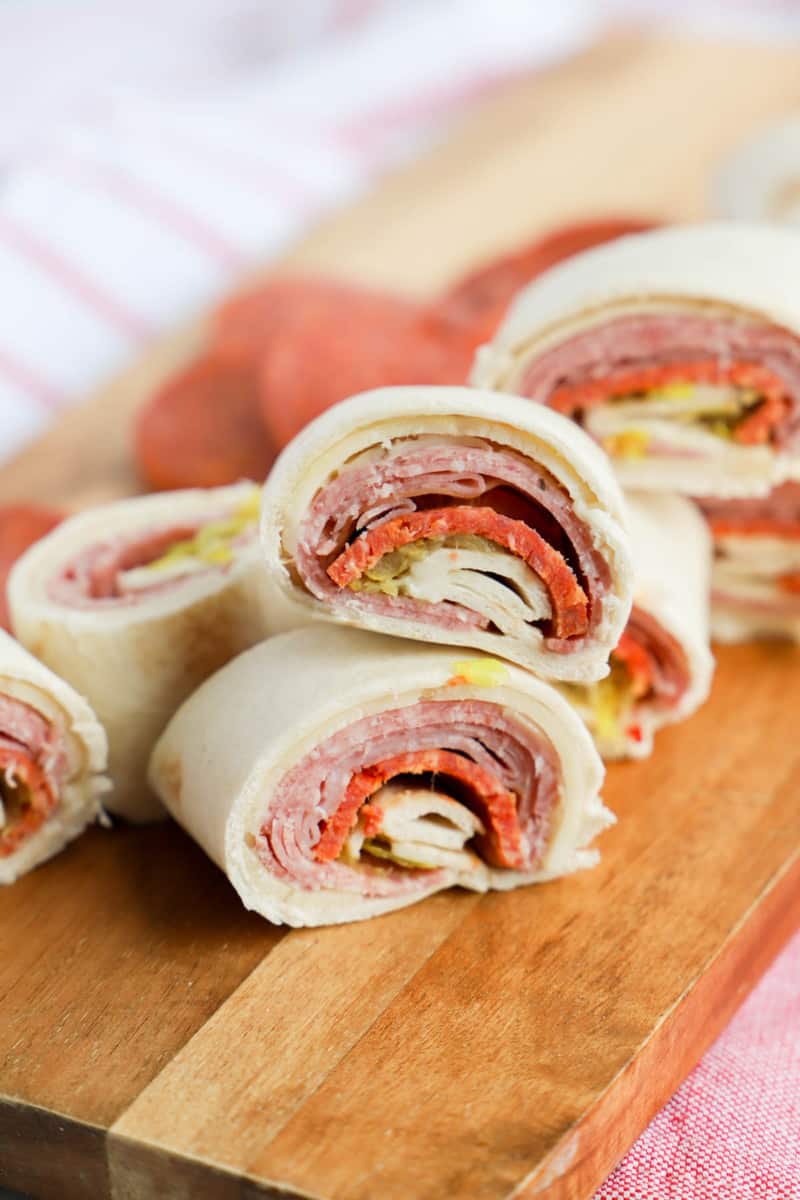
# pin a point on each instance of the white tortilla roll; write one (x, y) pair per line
(756, 574)
(451, 515)
(761, 179)
(135, 604)
(661, 670)
(52, 759)
(387, 772)
(677, 350)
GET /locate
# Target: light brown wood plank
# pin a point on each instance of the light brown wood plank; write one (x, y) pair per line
(301, 1011)
(115, 953)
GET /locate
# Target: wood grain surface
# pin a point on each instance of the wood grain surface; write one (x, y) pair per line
(157, 1040)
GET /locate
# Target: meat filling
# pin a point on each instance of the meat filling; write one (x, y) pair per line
(32, 767)
(649, 671)
(393, 797)
(456, 535)
(629, 379)
(121, 569)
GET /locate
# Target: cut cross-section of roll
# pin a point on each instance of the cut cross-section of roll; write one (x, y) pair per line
(677, 350)
(456, 516)
(756, 574)
(661, 669)
(135, 604)
(52, 759)
(387, 772)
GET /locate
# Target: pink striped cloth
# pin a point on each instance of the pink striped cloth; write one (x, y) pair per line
(732, 1131)
(158, 148)
(163, 147)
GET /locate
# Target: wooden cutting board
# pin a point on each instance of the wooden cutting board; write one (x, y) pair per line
(158, 1041)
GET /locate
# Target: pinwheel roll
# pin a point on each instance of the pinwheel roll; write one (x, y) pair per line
(456, 516)
(52, 759)
(677, 350)
(662, 667)
(135, 604)
(387, 772)
(756, 573)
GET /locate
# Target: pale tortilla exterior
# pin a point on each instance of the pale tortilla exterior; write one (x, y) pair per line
(721, 269)
(136, 663)
(388, 414)
(25, 679)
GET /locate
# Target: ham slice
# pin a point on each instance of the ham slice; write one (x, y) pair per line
(52, 758)
(388, 772)
(661, 668)
(135, 604)
(677, 349)
(443, 514)
(756, 574)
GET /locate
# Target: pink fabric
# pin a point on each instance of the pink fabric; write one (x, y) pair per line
(732, 1131)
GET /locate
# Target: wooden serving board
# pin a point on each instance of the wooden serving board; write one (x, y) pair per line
(156, 1040)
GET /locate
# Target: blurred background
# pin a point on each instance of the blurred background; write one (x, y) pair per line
(150, 152)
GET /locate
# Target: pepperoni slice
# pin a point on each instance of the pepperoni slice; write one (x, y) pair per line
(569, 601)
(314, 359)
(248, 324)
(20, 526)
(638, 663)
(41, 798)
(753, 429)
(790, 583)
(502, 845)
(481, 299)
(655, 660)
(203, 427)
(753, 527)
